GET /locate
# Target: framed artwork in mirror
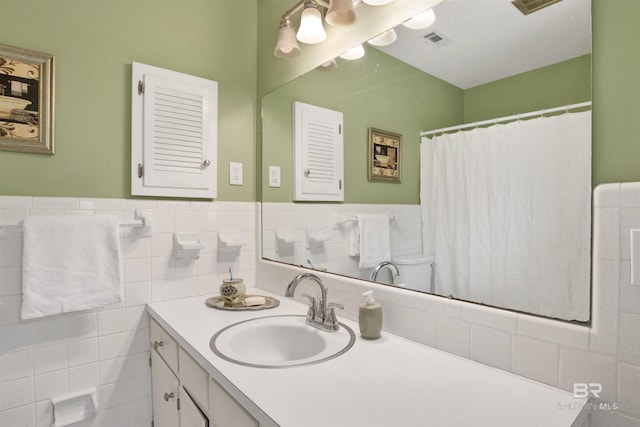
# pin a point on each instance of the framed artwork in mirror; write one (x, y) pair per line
(384, 155)
(26, 100)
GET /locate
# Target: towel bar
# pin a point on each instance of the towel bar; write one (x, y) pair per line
(132, 223)
(392, 217)
(143, 221)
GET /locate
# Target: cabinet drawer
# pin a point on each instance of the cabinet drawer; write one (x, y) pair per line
(224, 411)
(194, 379)
(166, 346)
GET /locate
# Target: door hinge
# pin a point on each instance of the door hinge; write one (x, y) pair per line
(340, 185)
(151, 423)
(140, 170)
(178, 403)
(340, 129)
(140, 87)
(150, 362)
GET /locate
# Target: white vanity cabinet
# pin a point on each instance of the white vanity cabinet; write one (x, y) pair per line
(183, 393)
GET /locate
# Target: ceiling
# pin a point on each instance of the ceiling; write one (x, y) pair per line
(487, 40)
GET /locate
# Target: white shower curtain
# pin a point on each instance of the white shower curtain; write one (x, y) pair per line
(506, 212)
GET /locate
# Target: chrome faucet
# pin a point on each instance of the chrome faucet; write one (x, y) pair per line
(385, 264)
(320, 314)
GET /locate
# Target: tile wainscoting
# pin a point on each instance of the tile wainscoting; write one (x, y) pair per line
(108, 348)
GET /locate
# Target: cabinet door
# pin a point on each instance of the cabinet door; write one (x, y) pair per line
(164, 388)
(318, 154)
(224, 411)
(190, 414)
(194, 380)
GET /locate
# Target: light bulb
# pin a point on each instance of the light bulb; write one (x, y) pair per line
(376, 2)
(421, 21)
(329, 65)
(355, 52)
(287, 45)
(311, 30)
(341, 12)
(384, 39)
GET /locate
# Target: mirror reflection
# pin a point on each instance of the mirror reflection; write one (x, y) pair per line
(504, 223)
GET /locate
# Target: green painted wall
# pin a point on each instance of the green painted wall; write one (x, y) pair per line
(377, 91)
(380, 91)
(567, 82)
(616, 91)
(94, 43)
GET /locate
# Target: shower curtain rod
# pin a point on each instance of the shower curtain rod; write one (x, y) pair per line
(508, 118)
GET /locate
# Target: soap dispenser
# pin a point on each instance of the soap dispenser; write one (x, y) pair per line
(370, 317)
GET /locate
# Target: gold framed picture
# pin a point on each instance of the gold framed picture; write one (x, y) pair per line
(26, 100)
(384, 155)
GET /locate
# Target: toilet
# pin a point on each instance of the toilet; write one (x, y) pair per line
(415, 272)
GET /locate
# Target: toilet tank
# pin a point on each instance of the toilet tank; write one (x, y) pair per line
(415, 272)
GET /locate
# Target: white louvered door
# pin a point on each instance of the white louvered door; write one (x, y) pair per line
(318, 154)
(174, 126)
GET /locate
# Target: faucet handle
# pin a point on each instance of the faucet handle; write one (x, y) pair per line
(331, 318)
(336, 305)
(313, 304)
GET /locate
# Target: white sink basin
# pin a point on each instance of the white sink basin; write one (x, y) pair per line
(279, 342)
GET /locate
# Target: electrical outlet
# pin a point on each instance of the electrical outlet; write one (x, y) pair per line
(235, 173)
(274, 176)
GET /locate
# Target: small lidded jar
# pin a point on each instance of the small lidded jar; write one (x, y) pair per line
(232, 291)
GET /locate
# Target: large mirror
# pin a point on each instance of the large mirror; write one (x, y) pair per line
(481, 60)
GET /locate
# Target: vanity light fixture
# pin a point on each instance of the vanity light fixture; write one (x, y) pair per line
(329, 65)
(376, 2)
(287, 45)
(384, 39)
(341, 12)
(311, 30)
(421, 21)
(354, 53)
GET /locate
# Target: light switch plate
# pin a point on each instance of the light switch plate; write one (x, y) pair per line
(235, 173)
(635, 257)
(274, 176)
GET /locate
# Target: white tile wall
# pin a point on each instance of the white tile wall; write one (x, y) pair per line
(329, 218)
(556, 353)
(107, 348)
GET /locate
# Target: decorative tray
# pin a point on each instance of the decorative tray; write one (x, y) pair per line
(218, 302)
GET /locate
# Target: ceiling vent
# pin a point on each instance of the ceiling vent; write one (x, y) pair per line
(437, 39)
(530, 6)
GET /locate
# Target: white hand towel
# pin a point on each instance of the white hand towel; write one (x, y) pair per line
(353, 238)
(70, 263)
(375, 240)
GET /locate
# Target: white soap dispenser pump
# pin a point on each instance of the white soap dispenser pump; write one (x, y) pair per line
(370, 317)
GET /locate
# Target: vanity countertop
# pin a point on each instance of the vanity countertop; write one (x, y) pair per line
(389, 382)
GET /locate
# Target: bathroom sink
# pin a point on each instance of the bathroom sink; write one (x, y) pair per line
(279, 342)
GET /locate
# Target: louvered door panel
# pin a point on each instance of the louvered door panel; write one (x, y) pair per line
(175, 155)
(318, 153)
(174, 134)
